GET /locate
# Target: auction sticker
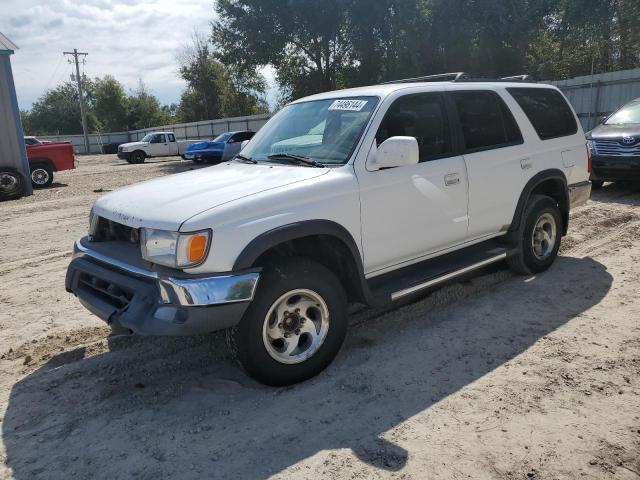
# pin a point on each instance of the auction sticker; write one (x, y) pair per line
(349, 105)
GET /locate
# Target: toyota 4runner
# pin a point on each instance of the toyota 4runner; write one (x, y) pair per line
(365, 195)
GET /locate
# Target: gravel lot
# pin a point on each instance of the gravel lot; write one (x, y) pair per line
(496, 376)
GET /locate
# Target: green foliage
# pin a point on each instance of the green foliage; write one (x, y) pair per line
(214, 91)
(318, 46)
(144, 110)
(110, 104)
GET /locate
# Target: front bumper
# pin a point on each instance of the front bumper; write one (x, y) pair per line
(155, 303)
(124, 155)
(615, 168)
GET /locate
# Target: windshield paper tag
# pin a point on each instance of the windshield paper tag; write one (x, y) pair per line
(349, 105)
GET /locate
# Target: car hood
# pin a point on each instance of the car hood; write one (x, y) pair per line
(133, 144)
(205, 146)
(167, 202)
(613, 132)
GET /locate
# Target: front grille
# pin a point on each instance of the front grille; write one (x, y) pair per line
(109, 292)
(616, 148)
(110, 231)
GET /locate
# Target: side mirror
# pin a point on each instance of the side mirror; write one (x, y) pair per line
(243, 144)
(602, 119)
(396, 152)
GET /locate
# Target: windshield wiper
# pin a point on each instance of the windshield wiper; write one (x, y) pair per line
(245, 159)
(297, 158)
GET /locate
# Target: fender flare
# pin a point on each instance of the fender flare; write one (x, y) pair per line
(537, 179)
(306, 228)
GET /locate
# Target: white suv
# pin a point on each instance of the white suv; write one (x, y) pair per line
(364, 195)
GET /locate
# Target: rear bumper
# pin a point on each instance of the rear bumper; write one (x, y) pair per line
(615, 168)
(579, 193)
(151, 303)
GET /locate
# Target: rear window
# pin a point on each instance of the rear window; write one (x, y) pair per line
(486, 121)
(547, 111)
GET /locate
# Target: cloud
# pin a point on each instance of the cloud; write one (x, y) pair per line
(129, 39)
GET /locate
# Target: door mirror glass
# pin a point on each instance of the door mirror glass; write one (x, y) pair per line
(395, 152)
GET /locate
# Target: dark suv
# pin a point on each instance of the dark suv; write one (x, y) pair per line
(615, 146)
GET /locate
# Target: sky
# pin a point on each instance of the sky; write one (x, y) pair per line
(129, 39)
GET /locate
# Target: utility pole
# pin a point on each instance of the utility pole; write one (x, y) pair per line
(83, 114)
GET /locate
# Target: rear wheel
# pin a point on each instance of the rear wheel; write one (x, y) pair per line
(137, 157)
(295, 325)
(11, 184)
(538, 239)
(41, 176)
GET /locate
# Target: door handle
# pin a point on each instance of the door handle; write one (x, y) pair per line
(451, 179)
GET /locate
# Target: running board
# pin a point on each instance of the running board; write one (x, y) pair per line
(428, 273)
(446, 276)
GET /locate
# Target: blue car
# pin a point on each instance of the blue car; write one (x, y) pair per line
(224, 147)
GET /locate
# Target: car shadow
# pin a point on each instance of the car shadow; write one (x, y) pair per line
(626, 193)
(179, 408)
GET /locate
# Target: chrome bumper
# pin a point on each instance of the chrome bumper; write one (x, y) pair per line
(188, 292)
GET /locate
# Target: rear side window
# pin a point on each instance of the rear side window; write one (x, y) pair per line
(547, 111)
(422, 116)
(486, 121)
(172, 138)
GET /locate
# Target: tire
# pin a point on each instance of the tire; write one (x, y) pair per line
(137, 157)
(11, 184)
(538, 238)
(260, 341)
(596, 184)
(41, 176)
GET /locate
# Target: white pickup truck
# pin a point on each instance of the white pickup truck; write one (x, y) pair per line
(366, 195)
(155, 144)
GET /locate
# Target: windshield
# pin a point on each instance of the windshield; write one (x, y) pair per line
(323, 130)
(147, 138)
(628, 114)
(223, 137)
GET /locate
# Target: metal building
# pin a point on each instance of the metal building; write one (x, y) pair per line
(13, 154)
(599, 95)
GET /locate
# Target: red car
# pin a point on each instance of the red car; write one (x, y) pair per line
(46, 158)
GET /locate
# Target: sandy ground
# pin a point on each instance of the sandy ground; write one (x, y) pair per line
(496, 376)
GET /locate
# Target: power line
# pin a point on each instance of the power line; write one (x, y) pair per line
(76, 54)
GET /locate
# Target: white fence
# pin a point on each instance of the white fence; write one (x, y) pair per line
(194, 130)
(591, 96)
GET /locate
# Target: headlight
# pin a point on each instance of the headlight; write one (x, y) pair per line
(93, 224)
(174, 249)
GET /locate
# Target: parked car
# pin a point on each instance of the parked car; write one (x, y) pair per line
(615, 146)
(34, 141)
(412, 184)
(46, 158)
(156, 144)
(224, 147)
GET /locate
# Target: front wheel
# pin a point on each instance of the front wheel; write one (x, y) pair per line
(538, 238)
(41, 176)
(294, 326)
(137, 157)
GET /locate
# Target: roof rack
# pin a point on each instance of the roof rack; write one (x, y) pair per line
(441, 77)
(516, 78)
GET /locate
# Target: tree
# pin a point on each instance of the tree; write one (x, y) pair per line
(144, 109)
(214, 91)
(110, 104)
(305, 41)
(58, 110)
